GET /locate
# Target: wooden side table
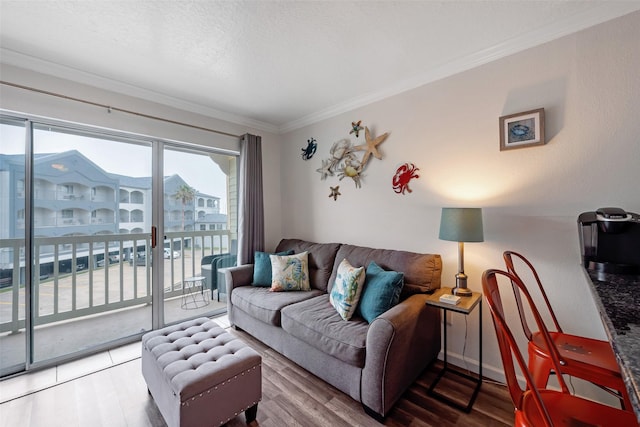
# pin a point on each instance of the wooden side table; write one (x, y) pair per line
(466, 306)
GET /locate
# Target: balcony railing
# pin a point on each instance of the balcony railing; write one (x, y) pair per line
(87, 275)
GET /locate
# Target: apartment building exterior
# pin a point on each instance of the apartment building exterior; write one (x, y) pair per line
(72, 196)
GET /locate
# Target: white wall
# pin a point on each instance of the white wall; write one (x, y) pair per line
(19, 100)
(589, 85)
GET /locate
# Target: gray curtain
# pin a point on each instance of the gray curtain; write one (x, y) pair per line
(251, 205)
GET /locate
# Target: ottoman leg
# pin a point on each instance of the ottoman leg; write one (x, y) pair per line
(251, 413)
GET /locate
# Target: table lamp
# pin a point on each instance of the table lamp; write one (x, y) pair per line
(461, 225)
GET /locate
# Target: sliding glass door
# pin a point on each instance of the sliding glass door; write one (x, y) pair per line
(94, 224)
(13, 228)
(91, 226)
(199, 230)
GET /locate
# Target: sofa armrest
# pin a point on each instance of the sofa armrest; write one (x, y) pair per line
(241, 275)
(401, 343)
(235, 277)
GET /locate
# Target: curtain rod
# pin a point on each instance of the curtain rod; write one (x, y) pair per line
(109, 109)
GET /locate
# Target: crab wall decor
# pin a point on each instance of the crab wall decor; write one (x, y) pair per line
(340, 151)
(351, 169)
(403, 175)
(310, 149)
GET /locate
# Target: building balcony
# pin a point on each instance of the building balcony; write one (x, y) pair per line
(88, 295)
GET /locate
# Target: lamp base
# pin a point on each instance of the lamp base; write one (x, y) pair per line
(461, 289)
(461, 292)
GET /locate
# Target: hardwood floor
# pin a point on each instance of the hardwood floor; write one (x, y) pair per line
(117, 396)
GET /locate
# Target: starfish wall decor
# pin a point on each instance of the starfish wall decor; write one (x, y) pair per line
(356, 128)
(334, 192)
(371, 146)
(325, 169)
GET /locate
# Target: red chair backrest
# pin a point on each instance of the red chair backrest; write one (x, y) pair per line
(508, 260)
(509, 349)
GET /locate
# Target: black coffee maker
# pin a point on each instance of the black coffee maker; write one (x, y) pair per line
(610, 240)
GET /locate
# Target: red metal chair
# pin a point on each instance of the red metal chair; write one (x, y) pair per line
(536, 407)
(586, 358)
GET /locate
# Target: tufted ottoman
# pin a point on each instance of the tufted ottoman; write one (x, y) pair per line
(201, 375)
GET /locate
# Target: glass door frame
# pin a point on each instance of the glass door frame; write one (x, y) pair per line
(157, 231)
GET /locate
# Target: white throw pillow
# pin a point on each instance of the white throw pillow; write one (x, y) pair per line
(290, 272)
(347, 288)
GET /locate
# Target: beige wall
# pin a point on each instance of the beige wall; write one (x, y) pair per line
(589, 85)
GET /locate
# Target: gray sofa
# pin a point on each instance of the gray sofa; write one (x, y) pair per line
(373, 363)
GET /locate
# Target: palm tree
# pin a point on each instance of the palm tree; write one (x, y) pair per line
(185, 195)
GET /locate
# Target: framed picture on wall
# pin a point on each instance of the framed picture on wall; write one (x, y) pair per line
(520, 130)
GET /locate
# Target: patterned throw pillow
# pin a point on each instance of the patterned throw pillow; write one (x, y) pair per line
(346, 290)
(290, 273)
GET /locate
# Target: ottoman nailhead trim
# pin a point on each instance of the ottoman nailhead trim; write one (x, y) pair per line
(186, 403)
(242, 410)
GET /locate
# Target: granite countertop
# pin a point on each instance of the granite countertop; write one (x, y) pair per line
(617, 297)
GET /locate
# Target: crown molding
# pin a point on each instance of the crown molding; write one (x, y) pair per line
(588, 18)
(38, 65)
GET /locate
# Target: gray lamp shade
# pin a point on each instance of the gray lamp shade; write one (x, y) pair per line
(461, 225)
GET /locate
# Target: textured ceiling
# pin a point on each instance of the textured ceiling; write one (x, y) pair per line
(278, 65)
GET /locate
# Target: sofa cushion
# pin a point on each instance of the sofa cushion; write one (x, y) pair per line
(421, 271)
(260, 303)
(290, 272)
(317, 323)
(346, 291)
(262, 267)
(381, 291)
(321, 258)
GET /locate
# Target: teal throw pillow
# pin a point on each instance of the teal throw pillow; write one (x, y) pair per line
(381, 291)
(347, 288)
(262, 267)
